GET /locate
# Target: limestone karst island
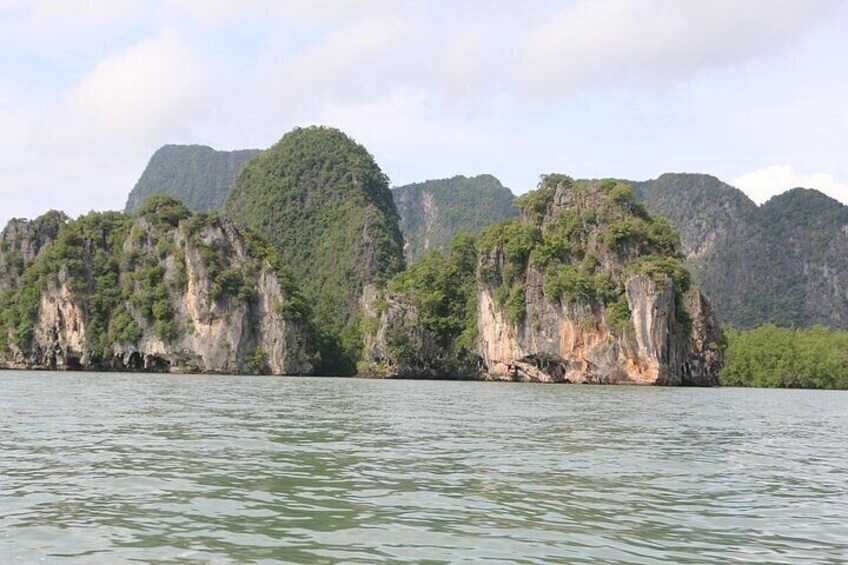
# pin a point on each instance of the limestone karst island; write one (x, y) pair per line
(403, 282)
(301, 260)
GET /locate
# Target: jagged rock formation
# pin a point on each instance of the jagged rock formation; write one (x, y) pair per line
(587, 287)
(325, 205)
(21, 243)
(197, 175)
(785, 262)
(163, 291)
(434, 211)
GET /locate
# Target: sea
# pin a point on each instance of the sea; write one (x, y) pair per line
(140, 468)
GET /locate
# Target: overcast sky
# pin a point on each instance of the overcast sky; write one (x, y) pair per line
(752, 91)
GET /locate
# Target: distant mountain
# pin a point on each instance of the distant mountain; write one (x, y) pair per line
(197, 175)
(785, 262)
(434, 211)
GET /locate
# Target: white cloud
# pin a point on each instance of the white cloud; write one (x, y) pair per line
(311, 12)
(90, 12)
(151, 90)
(650, 43)
(762, 184)
(360, 60)
(468, 52)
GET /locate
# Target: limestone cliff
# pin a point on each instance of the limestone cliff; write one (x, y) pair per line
(162, 291)
(21, 243)
(575, 342)
(586, 287)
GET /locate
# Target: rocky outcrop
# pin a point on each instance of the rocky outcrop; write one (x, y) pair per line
(574, 343)
(397, 344)
(587, 288)
(142, 294)
(22, 241)
(322, 201)
(706, 342)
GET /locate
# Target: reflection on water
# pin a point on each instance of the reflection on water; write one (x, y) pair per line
(110, 468)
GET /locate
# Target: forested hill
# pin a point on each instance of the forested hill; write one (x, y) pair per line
(324, 204)
(197, 175)
(434, 211)
(785, 262)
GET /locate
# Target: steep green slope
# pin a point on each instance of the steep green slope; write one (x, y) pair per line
(434, 211)
(197, 175)
(325, 205)
(807, 274)
(785, 262)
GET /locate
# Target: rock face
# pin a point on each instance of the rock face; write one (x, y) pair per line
(163, 291)
(399, 344)
(22, 241)
(574, 344)
(586, 288)
(785, 262)
(434, 211)
(197, 175)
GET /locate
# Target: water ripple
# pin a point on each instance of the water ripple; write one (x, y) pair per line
(143, 468)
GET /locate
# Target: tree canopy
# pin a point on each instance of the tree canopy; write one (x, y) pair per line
(321, 200)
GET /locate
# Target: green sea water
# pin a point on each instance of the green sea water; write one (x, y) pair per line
(113, 468)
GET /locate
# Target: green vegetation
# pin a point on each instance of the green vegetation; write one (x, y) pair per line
(770, 356)
(197, 175)
(444, 291)
(127, 274)
(586, 248)
(22, 241)
(516, 240)
(85, 256)
(537, 203)
(433, 212)
(324, 204)
(164, 211)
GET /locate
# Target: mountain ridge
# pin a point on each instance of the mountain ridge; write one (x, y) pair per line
(781, 262)
(197, 175)
(733, 246)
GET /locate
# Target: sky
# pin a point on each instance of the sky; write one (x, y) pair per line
(754, 92)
